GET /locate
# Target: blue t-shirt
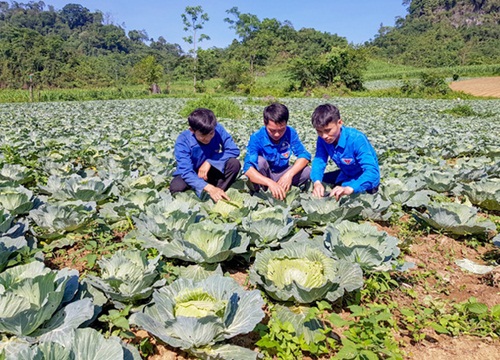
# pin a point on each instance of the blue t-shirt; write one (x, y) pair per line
(277, 155)
(355, 157)
(190, 154)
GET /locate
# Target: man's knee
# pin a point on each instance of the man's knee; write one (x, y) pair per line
(233, 165)
(178, 185)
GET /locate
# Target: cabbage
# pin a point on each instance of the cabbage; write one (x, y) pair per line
(55, 220)
(128, 276)
(304, 274)
(328, 210)
(455, 218)
(36, 301)
(268, 226)
(362, 244)
(485, 194)
(16, 200)
(204, 242)
(79, 344)
(196, 316)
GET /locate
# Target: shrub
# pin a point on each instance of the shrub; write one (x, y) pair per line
(222, 107)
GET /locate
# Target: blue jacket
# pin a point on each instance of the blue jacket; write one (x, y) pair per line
(191, 154)
(355, 157)
(277, 155)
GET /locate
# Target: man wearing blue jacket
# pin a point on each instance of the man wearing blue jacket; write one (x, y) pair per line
(206, 157)
(349, 149)
(267, 161)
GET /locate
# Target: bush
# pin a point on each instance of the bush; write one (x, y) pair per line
(236, 76)
(222, 107)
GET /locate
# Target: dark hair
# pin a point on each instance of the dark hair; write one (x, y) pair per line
(276, 112)
(202, 120)
(324, 115)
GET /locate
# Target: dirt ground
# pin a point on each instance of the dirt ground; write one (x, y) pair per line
(488, 87)
(438, 253)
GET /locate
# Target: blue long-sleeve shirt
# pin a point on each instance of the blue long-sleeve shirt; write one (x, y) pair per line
(355, 157)
(190, 154)
(277, 155)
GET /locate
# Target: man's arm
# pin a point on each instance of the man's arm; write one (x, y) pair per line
(229, 149)
(319, 162)
(367, 159)
(303, 158)
(286, 179)
(250, 169)
(185, 167)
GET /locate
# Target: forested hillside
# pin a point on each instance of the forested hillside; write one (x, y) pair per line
(438, 33)
(73, 47)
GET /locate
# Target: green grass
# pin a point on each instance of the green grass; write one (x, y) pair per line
(273, 81)
(383, 70)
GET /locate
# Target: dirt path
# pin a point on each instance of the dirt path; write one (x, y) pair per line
(488, 86)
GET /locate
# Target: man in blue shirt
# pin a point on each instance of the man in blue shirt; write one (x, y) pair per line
(267, 161)
(349, 149)
(206, 157)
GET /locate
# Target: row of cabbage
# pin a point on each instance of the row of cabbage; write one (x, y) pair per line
(66, 167)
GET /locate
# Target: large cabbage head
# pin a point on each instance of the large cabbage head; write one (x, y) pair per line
(304, 274)
(235, 209)
(485, 193)
(17, 173)
(165, 218)
(196, 315)
(78, 344)
(16, 200)
(54, 220)
(205, 242)
(454, 218)
(362, 244)
(268, 226)
(327, 210)
(31, 294)
(128, 276)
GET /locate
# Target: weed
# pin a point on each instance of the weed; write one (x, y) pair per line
(117, 323)
(369, 335)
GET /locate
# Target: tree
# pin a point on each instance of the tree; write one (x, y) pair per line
(138, 35)
(75, 15)
(244, 25)
(149, 72)
(194, 18)
(235, 75)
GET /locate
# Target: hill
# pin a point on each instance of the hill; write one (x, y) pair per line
(437, 33)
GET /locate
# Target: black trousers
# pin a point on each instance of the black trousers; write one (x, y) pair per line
(215, 177)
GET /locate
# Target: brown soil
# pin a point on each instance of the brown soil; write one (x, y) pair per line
(463, 348)
(488, 86)
(437, 253)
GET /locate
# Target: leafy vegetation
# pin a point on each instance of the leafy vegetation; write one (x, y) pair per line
(84, 185)
(46, 49)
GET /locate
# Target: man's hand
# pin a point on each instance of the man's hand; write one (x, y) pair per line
(285, 181)
(339, 191)
(276, 190)
(203, 170)
(318, 189)
(216, 193)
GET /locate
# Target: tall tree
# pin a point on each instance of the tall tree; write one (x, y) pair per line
(243, 24)
(194, 18)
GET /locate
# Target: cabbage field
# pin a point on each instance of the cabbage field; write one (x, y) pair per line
(99, 261)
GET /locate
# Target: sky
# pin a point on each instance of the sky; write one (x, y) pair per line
(356, 20)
